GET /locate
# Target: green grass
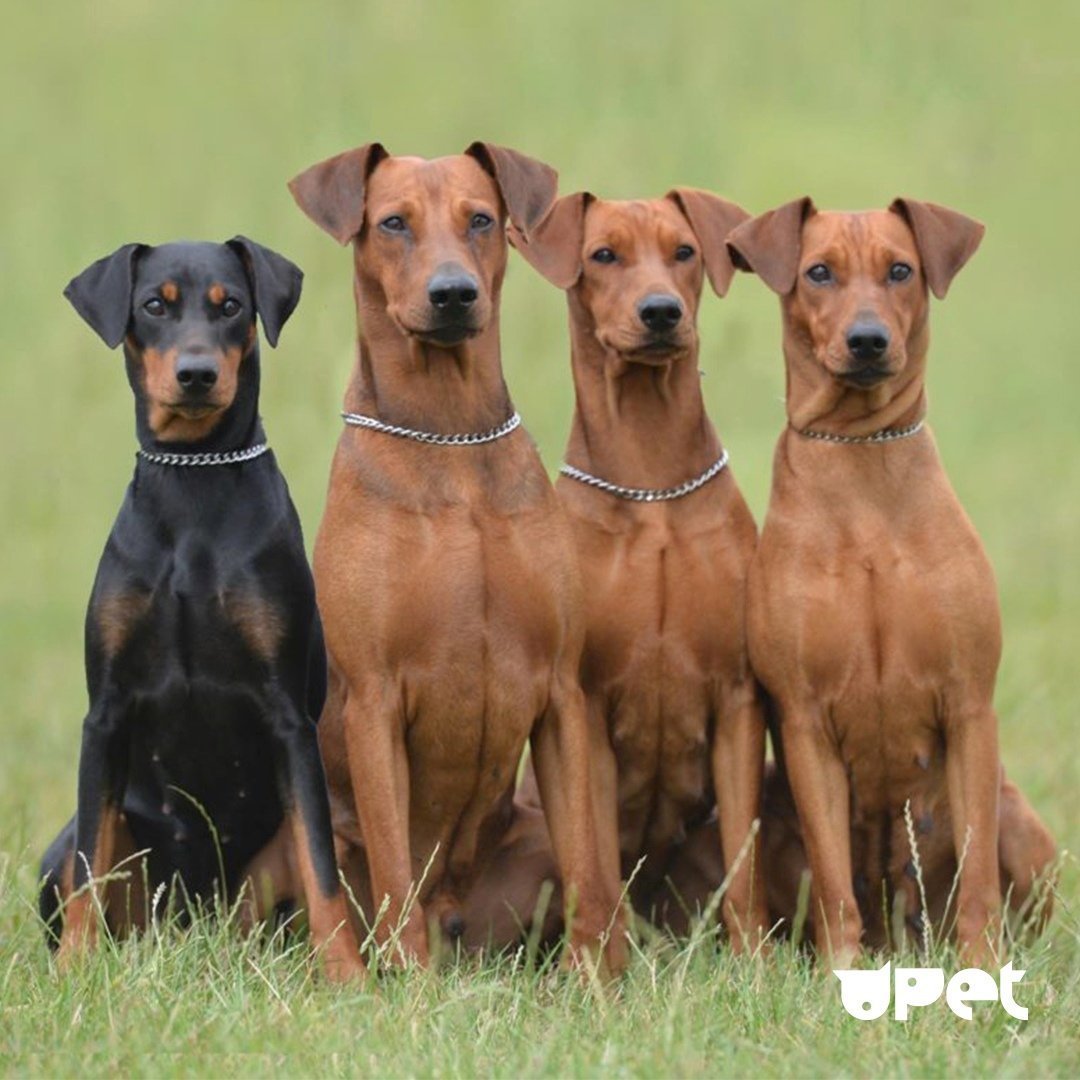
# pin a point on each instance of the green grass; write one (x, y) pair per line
(207, 1002)
(129, 120)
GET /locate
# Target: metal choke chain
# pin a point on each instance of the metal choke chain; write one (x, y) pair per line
(882, 436)
(433, 438)
(647, 494)
(228, 457)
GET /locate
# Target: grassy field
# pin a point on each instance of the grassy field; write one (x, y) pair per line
(129, 120)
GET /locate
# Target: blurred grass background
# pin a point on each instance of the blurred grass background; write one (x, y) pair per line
(132, 120)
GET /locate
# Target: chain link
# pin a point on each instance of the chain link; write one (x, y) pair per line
(883, 436)
(433, 438)
(229, 457)
(647, 494)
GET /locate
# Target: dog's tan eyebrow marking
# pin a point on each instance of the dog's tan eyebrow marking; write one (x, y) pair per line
(216, 293)
(170, 291)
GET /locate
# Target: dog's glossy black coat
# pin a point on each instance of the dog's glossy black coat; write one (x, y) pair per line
(206, 711)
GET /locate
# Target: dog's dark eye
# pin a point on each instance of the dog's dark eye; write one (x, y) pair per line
(395, 223)
(230, 308)
(819, 274)
(899, 271)
(683, 253)
(154, 306)
(603, 255)
(481, 222)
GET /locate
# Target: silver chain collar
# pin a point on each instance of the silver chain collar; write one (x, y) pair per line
(432, 438)
(227, 457)
(647, 494)
(883, 436)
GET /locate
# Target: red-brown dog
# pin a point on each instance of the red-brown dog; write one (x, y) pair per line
(444, 566)
(665, 541)
(873, 615)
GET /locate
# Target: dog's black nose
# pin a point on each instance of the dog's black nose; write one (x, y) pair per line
(867, 340)
(660, 312)
(196, 372)
(452, 289)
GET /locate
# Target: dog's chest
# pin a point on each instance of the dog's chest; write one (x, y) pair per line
(664, 637)
(876, 636)
(448, 596)
(194, 612)
(890, 607)
(224, 636)
(464, 616)
(664, 615)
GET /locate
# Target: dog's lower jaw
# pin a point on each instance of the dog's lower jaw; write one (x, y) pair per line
(177, 423)
(650, 356)
(447, 338)
(866, 379)
(645, 351)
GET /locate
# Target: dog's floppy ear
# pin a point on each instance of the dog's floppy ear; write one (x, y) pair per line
(945, 239)
(275, 281)
(770, 245)
(332, 192)
(101, 294)
(528, 187)
(711, 218)
(554, 246)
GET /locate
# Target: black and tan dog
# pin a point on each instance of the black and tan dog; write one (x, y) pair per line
(204, 652)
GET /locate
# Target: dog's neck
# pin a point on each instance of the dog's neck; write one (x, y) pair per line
(238, 428)
(816, 401)
(639, 425)
(402, 380)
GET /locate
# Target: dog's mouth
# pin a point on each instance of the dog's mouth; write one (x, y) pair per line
(865, 378)
(656, 353)
(194, 410)
(446, 336)
(654, 349)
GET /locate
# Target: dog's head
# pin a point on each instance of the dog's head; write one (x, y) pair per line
(854, 286)
(186, 314)
(429, 235)
(636, 268)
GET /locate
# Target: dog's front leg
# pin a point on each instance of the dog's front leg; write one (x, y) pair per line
(379, 768)
(308, 811)
(738, 763)
(560, 746)
(102, 778)
(820, 785)
(974, 778)
(604, 780)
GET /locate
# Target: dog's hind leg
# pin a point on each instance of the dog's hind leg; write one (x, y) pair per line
(1027, 852)
(55, 883)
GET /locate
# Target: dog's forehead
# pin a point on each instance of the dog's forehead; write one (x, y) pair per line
(857, 229)
(191, 263)
(431, 179)
(634, 217)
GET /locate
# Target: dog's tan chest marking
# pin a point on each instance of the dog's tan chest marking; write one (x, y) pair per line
(117, 615)
(259, 621)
